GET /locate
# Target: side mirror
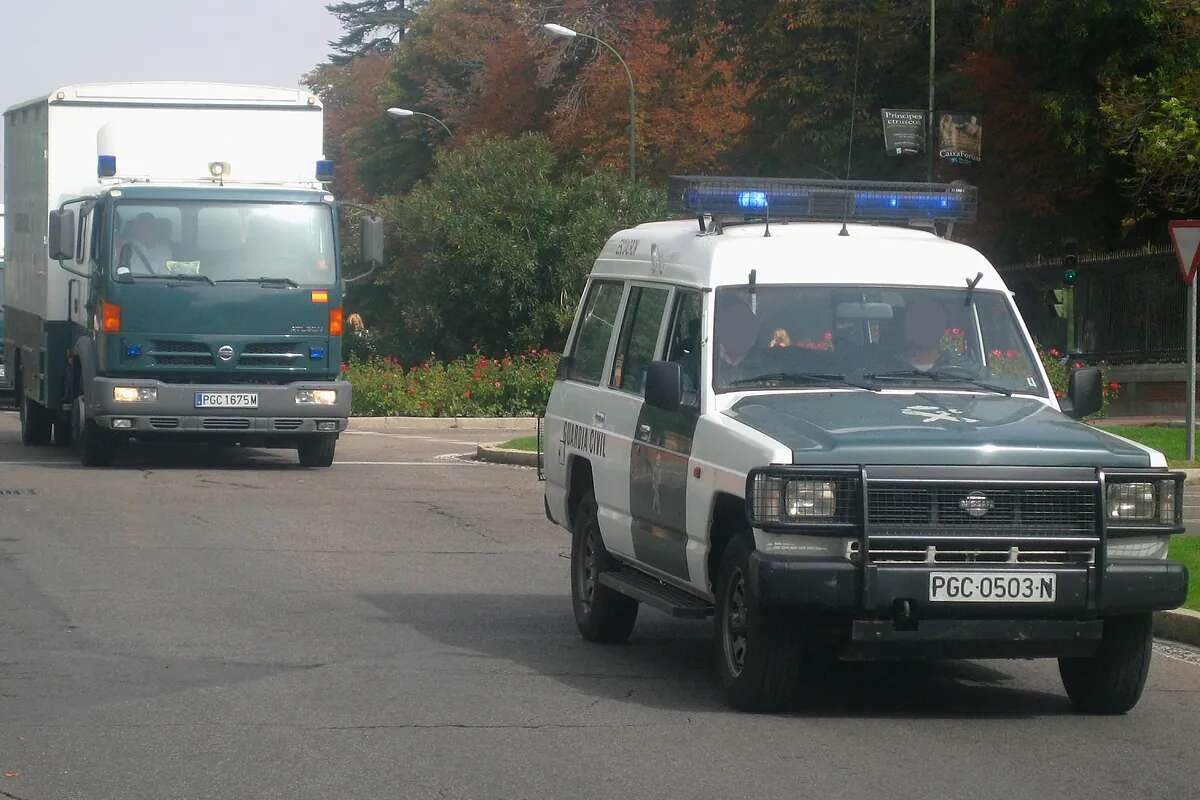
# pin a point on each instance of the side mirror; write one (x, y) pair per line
(60, 235)
(371, 241)
(1085, 393)
(664, 385)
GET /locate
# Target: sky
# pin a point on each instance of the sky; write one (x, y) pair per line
(51, 43)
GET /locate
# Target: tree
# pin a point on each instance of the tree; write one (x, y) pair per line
(370, 26)
(350, 96)
(493, 247)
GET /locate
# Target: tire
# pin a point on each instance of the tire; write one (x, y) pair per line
(602, 614)
(96, 447)
(35, 423)
(317, 451)
(1111, 681)
(759, 654)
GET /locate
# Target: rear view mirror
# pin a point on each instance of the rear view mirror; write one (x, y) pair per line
(869, 311)
(1085, 393)
(60, 235)
(664, 385)
(372, 240)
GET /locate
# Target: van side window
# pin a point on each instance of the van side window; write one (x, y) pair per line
(639, 337)
(596, 325)
(683, 343)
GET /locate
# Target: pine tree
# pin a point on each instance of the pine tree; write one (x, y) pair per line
(370, 26)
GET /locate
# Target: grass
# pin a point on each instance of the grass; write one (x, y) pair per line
(1171, 442)
(1187, 550)
(526, 443)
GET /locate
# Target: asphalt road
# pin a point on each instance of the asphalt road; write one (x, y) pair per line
(198, 623)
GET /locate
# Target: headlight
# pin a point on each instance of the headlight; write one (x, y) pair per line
(1145, 501)
(810, 499)
(135, 394)
(818, 497)
(318, 397)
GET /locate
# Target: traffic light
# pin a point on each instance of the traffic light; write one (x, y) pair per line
(1069, 277)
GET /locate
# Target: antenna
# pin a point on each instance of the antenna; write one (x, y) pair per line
(853, 111)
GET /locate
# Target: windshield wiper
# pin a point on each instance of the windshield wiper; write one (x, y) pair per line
(938, 376)
(264, 281)
(803, 377)
(197, 278)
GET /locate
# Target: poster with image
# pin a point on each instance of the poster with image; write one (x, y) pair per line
(960, 137)
(903, 131)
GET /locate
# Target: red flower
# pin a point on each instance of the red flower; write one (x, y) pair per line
(1114, 386)
(413, 391)
(483, 362)
(1054, 353)
(827, 336)
(956, 331)
(1011, 354)
(1059, 393)
(497, 384)
(467, 394)
(345, 367)
(1077, 365)
(997, 353)
(477, 374)
(424, 404)
(545, 351)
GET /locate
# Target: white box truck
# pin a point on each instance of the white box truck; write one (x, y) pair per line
(173, 268)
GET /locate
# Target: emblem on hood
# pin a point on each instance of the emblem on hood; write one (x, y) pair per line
(937, 414)
(976, 504)
(225, 352)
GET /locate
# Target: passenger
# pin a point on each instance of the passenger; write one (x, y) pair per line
(736, 334)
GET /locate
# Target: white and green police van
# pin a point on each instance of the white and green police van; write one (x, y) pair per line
(805, 413)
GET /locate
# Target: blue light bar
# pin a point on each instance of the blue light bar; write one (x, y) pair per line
(106, 166)
(324, 170)
(804, 199)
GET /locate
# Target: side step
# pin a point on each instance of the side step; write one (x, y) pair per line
(655, 593)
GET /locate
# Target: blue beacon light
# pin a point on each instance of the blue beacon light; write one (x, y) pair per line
(752, 199)
(316, 353)
(324, 170)
(133, 351)
(106, 166)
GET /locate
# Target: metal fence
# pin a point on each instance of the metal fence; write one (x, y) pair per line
(1129, 306)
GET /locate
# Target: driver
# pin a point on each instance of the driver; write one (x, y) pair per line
(924, 326)
(145, 250)
(738, 332)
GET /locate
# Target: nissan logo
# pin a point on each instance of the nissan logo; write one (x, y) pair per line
(225, 352)
(976, 504)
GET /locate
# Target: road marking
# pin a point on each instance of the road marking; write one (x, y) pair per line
(447, 463)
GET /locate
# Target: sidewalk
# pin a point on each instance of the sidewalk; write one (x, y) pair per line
(1138, 422)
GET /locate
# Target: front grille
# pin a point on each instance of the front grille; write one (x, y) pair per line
(272, 354)
(175, 353)
(225, 424)
(1001, 510)
(288, 424)
(164, 423)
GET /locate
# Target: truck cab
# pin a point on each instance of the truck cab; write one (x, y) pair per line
(805, 413)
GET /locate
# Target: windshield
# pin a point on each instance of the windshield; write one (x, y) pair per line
(224, 241)
(884, 337)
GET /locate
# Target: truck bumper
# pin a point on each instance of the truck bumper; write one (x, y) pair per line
(885, 612)
(173, 412)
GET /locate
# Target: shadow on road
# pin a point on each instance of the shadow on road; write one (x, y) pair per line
(667, 664)
(183, 455)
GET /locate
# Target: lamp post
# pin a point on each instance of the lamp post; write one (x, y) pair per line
(568, 33)
(405, 112)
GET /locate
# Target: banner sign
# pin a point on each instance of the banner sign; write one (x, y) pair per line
(903, 131)
(960, 137)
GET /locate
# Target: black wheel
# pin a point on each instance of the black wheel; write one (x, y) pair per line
(602, 614)
(317, 451)
(96, 446)
(1111, 681)
(35, 423)
(758, 652)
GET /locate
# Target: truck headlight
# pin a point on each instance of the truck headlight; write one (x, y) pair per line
(1141, 501)
(135, 394)
(810, 499)
(317, 397)
(786, 497)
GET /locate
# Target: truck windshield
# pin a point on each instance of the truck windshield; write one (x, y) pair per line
(885, 337)
(218, 242)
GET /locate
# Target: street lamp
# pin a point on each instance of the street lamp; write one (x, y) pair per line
(568, 33)
(405, 112)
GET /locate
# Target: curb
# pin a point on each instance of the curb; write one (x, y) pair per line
(1181, 625)
(445, 423)
(496, 454)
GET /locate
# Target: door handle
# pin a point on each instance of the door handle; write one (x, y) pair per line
(643, 431)
(599, 417)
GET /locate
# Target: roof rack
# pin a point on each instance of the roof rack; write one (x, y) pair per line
(825, 200)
